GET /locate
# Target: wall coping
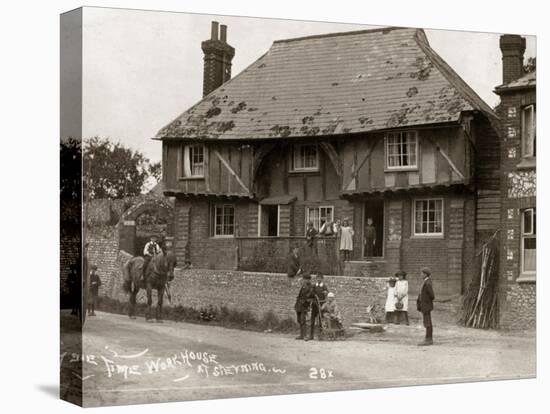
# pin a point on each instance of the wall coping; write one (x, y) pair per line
(247, 272)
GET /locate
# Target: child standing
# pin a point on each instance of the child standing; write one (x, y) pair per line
(390, 301)
(402, 297)
(346, 240)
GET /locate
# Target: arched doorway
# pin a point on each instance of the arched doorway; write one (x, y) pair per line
(152, 216)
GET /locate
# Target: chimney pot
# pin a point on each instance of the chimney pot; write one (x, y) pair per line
(214, 33)
(217, 59)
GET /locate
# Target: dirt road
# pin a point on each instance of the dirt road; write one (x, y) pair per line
(131, 361)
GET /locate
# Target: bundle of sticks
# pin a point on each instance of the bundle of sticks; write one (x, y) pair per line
(480, 305)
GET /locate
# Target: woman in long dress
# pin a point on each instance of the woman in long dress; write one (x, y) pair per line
(402, 296)
(346, 239)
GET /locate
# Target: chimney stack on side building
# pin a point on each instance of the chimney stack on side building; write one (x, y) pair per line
(513, 48)
(217, 59)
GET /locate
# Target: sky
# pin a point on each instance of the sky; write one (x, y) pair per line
(141, 69)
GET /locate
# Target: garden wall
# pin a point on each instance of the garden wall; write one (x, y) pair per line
(264, 292)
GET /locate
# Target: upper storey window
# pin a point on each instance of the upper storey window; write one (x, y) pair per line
(402, 150)
(529, 131)
(305, 157)
(193, 161)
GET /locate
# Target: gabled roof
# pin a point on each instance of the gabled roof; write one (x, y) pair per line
(528, 80)
(332, 84)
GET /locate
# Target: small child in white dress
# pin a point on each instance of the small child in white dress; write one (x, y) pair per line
(390, 301)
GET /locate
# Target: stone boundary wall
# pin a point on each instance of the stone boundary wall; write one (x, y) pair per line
(103, 251)
(520, 310)
(263, 292)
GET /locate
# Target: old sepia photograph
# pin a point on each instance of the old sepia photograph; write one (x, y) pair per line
(259, 206)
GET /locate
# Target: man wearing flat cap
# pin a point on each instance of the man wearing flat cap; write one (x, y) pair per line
(425, 305)
(303, 304)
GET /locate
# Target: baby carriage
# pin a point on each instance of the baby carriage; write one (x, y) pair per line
(331, 326)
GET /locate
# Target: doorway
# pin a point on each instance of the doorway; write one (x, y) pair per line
(373, 233)
(269, 220)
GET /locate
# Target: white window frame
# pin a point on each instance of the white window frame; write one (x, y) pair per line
(317, 224)
(188, 164)
(528, 235)
(296, 154)
(390, 136)
(413, 221)
(222, 224)
(528, 131)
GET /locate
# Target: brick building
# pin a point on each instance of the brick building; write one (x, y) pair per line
(517, 111)
(366, 124)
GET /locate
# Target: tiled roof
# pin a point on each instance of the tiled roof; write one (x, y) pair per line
(340, 83)
(526, 81)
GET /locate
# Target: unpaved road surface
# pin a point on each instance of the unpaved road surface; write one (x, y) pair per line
(130, 361)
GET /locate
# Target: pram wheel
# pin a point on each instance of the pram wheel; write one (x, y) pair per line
(331, 329)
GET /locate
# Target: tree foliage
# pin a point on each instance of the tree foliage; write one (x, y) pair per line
(112, 170)
(70, 157)
(531, 65)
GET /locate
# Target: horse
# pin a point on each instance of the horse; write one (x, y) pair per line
(159, 272)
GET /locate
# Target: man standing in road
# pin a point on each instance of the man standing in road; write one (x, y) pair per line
(74, 286)
(95, 283)
(424, 304)
(303, 303)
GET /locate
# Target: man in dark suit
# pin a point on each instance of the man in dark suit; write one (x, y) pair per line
(425, 305)
(320, 292)
(303, 303)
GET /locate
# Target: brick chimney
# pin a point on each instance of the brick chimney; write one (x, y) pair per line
(217, 59)
(512, 47)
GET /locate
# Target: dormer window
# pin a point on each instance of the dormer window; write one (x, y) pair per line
(305, 157)
(528, 131)
(401, 150)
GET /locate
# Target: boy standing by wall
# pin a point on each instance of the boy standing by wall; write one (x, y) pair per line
(95, 283)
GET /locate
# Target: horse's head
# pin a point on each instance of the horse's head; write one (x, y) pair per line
(170, 263)
(164, 265)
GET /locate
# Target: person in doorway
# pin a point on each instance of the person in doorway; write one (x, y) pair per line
(346, 240)
(95, 283)
(390, 300)
(320, 291)
(150, 250)
(402, 298)
(311, 235)
(425, 304)
(303, 304)
(370, 238)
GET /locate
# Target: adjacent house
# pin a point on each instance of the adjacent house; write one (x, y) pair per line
(365, 124)
(517, 111)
